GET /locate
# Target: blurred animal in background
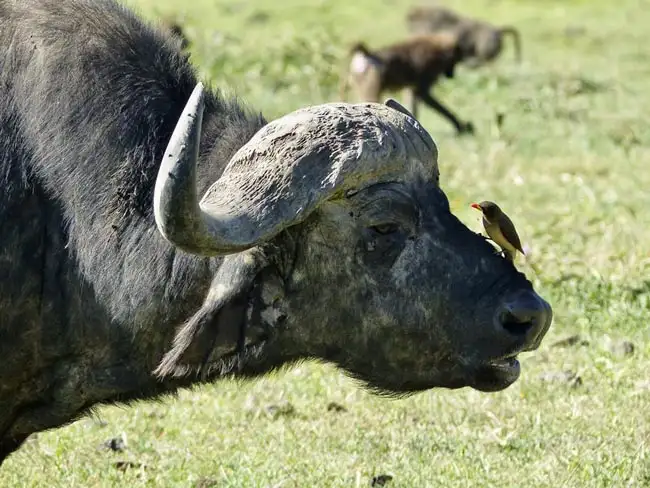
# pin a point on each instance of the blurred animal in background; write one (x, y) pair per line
(414, 64)
(480, 41)
(176, 29)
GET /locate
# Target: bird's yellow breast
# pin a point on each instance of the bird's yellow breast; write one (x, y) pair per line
(494, 233)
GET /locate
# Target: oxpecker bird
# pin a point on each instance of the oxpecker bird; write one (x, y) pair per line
(500, 228)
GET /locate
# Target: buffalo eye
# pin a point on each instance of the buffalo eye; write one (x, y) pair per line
(384, 229)
(383, 243)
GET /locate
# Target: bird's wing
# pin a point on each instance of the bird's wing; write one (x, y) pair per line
(509, 232)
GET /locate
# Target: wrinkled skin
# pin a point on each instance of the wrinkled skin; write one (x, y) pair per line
(420, 297)
(97, 306)
(377, 320)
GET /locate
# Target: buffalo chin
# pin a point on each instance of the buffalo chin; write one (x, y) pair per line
(496, 375)
(493, 376)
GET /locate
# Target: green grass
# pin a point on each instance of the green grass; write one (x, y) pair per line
(570, 165)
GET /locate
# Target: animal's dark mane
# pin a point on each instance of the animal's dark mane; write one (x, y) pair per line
(97, 93)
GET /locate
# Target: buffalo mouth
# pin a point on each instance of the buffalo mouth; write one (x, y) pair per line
(497, 374)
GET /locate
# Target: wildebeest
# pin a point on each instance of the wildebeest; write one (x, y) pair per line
(323, 234)
(480, 41)
(415, 64)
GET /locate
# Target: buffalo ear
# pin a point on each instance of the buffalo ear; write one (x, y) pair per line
(395, 105)
(218, 328)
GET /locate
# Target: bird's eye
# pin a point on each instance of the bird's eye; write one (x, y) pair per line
(385, 228)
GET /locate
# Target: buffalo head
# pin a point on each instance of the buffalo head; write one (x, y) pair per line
(338, 243)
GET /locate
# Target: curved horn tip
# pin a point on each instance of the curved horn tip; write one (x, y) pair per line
(174, 192)
(195, 102)
(395, 105)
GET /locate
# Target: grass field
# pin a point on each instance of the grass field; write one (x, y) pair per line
(570, 164)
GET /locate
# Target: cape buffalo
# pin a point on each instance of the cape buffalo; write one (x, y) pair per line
(323, 234)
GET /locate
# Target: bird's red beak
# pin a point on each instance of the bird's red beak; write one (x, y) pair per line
(476, 206)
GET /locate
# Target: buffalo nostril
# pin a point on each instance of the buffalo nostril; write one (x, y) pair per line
(526, 316)
(517, 321)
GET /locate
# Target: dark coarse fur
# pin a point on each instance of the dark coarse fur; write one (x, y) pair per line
(176, 29)
(93, 297)
(480, 41)
(416, 64)
(89, 98)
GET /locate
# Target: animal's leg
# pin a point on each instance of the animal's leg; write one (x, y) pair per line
(461, 127)
(473, 62)
(371, 87)
(9, 445)
(412, 101)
